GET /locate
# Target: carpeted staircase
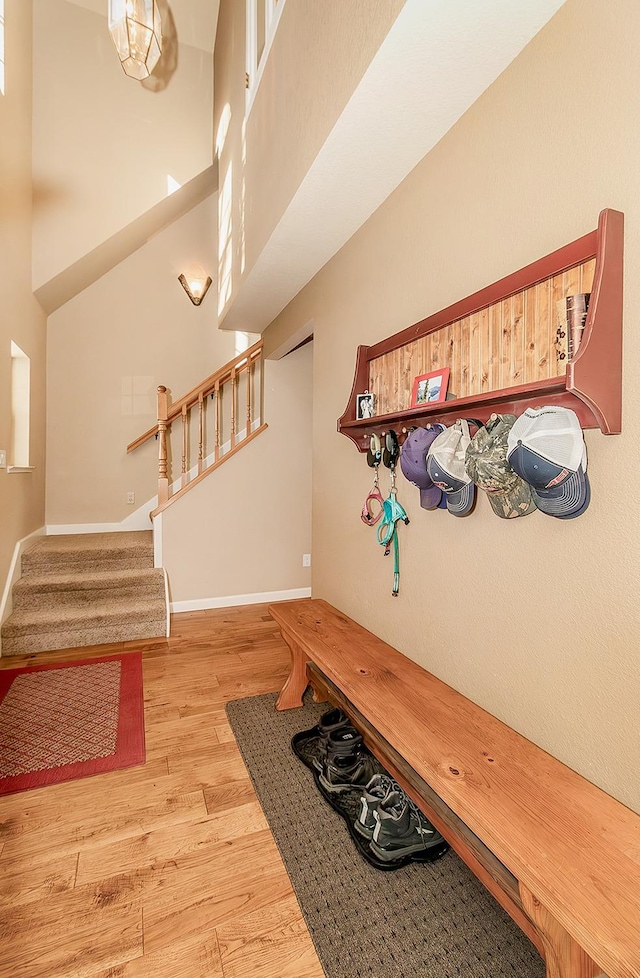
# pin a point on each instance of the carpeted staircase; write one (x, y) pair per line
(86, 589)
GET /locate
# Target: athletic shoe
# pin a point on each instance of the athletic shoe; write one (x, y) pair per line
(343, 742)
(344, 773)
(329, 723)
(401, 829)
(375, 792)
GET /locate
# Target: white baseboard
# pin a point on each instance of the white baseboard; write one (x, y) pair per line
(167, 602)
(158, 539)
(15, 571)
(233, 600)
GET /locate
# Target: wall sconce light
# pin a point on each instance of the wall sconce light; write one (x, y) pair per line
(136, 30)
(196, 288)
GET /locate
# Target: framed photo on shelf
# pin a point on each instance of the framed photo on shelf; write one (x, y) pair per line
(430, 388)
(365, 406)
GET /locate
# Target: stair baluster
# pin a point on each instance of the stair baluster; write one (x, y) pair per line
(163, 481)
(223, 384)
(200, 431)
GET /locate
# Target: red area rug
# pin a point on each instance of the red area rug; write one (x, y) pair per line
(68, 721)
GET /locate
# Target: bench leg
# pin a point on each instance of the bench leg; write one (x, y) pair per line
(293, 690)
(564, 957)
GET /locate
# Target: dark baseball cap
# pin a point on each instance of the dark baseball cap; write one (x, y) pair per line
(413, 462)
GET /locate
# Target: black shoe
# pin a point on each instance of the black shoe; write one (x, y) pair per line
(402, 830)
(347, 772)
(341, 743)
(311, 745)
(375, 792)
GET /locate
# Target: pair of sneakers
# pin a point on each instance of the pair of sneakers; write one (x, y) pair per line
(395, 827)
(388, 829)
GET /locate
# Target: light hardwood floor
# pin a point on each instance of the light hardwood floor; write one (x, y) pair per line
(167, 870)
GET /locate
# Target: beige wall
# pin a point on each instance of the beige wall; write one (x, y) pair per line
(108, 350)
(244, 529)
(319, 54)
(535, 619)
(104, 143)
(21, 319)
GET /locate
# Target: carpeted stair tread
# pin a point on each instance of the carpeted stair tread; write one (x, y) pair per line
(100, 613)
(40, 590)
(92, 551)
(127, 631)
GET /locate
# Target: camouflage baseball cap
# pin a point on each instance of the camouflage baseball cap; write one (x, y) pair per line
(486, 463)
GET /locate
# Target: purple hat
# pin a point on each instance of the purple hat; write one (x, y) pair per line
(413, 462)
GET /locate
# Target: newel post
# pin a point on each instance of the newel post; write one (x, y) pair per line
(163, 481)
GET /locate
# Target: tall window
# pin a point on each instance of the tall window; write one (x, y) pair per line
(1, 47)
(263, 17)
(20, 406)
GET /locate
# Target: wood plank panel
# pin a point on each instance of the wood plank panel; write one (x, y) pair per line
(475, 347)
(516, 373)
(530, 323)
(503, 345)
(20, 884)
(195, 956)
(271, 943)
(152, 849)
(485, 352)
(189, 895)
(495, 326)
(103, 816)
(587, 274)
(77, 933)
(231, 794)
(546, 332)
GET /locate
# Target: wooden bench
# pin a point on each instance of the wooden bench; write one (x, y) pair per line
(559, 854)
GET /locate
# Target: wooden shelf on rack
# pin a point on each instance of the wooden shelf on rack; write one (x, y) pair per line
(505, 333)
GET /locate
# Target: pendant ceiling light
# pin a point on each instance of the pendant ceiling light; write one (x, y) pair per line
(137, 34)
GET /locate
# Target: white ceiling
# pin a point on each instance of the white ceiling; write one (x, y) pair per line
(438, 58)
(195, 20)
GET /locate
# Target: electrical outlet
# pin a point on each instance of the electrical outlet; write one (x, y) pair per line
(3, 459)
(131, 498)
(306, 560)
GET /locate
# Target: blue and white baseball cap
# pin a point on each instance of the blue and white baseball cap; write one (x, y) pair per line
(446, 467)
(546, 448)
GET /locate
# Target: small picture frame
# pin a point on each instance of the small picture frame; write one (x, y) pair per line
(430, 388)
(365, 406)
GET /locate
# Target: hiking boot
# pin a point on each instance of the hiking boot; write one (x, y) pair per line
(401, 829)
(375, 792)
(347, 772)
(329, 722)
(342, 742)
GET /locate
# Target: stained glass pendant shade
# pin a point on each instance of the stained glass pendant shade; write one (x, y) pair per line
(137, 34)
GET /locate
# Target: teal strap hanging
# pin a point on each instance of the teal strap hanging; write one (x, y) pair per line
(392, 512)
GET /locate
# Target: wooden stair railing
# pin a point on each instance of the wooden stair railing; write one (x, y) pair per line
(246, 370)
